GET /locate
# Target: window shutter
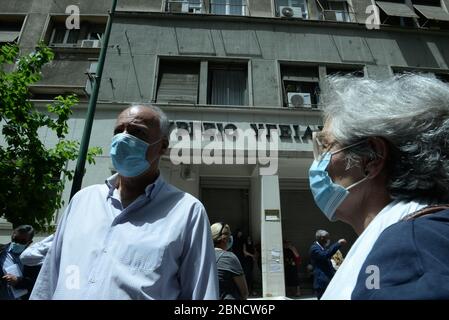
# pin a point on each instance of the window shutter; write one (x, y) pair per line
(178, 83)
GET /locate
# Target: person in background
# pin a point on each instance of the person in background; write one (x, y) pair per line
(237, 246)
(35, 254)
(381, 165)
(249, 252)
(321, 253)
(232, 282)
(292, 260)
(15, 281)
(33, 257)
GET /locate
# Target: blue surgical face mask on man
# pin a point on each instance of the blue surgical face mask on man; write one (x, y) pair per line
(328, 195)
(129, 154)
(17, 248)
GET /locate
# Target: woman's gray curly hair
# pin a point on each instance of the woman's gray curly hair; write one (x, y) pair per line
(411, 112)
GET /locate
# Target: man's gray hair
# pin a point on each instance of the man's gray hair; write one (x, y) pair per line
(411, 112)
(163, 119)
(321, 234)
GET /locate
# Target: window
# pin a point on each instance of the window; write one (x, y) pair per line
(178, 81)
(335, 11)
(345, 70)
(62, 36)
(228, 84)
(185, 6)
(228, 7)
(10, 27)
(442, 75)
(87, 36)
(225, 83)
(433, 3)
(300, 86)
(292, 9)
(431, 15)
(396, 13)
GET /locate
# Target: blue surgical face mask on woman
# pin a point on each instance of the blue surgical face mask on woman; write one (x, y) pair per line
(328, 195)
(17, 248)
(129, 154)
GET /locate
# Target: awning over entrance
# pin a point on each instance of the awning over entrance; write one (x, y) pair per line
(396, 9)
(433, 13)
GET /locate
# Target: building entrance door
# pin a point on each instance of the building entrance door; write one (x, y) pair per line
(227, 205)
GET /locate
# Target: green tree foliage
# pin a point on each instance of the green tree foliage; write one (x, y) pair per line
(31, 174)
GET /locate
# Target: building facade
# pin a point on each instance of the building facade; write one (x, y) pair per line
(220, 66)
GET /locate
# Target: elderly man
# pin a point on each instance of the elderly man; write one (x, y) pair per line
(136, 236)
(382, 166)
(321, 253)
(15, 281)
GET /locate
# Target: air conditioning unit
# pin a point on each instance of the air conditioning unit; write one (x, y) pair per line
(90, 44)
(90, 74)
(290, 12)
(299, 100)
(93, 68)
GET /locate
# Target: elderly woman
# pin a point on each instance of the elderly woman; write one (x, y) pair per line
(382, 166)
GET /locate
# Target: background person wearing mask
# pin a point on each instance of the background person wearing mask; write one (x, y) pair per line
(135, 236)
(321, 253)
(382, 166)
(16, 282)
(230, 273)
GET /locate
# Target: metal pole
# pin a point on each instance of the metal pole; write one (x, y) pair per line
(81, 163)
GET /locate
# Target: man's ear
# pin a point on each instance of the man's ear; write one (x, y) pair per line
(373, 167)
(164, 146)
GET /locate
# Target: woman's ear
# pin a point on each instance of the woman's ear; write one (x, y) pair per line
(374, 166)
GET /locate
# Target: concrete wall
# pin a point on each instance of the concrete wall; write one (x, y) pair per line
(136, 43)
(262, 42)
(140, 5)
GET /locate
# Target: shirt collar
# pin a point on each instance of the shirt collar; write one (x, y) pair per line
(151, 190)
(320, 245)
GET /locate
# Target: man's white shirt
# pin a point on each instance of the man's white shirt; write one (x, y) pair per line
(159, 247)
